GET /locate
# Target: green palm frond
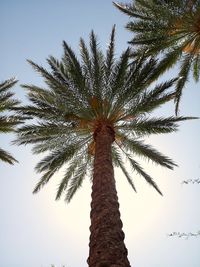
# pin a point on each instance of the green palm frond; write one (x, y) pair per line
(169, 60)
(146, 176)
(6, 85)
(138, 169)
(51, 80)
(196, 67)
(146, 126)
(140, 149)
(51, 164)
(141, 74)
(8, 123)
(97, 60)
(120, 73)
(79, 96)
(67, 176)
(148, 100)
(110, 54)
(8, 120)
(86, 60)
(77, 179)
(58, 68)
(6, 100)
(7, 157)
(169, 29)
(119, 163)
(184, 73)
(74, 71)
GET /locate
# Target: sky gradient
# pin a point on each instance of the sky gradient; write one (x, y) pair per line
(37, 231)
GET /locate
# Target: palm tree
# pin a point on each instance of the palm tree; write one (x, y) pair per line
(171, 28)
(89, 116)
(7, 121)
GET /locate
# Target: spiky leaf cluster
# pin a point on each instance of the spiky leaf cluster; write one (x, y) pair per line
(79, 95)
(169, 27)
(8, 121)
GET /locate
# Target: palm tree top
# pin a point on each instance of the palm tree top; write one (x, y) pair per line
(82, 96)
(168, 27)
(8, 121)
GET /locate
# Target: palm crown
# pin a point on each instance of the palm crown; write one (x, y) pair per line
(8, 122)
(83, 95)
(170, 27)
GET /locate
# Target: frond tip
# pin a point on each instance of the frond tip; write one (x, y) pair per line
(7, 157)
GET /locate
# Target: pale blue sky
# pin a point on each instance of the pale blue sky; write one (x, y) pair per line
(36, 231)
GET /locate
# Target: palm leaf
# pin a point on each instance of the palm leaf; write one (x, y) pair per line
(184, 73)
(140, 149)
(147, 177)
(110, 54)
(118, 161)
(7, 157)
(8, 121)
(77, 180)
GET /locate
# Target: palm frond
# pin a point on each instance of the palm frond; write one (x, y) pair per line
(44, 180)
(7, 157)
(8, 120)
(120, 73)
(51, 164)
(74, 71)
(149, 100)
(146, 126)
(8, 123)
(58, 69)
(97, 60)
(147, 177)
(7, 84)
(168, 60)
(67, 176)
(86, 61)
(51, 80)
(118, 162)
(140, 149)
(109, 62)
(77, 180)
(196, 68)
(184, 73)
(129, 10)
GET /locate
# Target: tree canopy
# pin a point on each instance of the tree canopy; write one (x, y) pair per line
(171, 28)
(78, 96)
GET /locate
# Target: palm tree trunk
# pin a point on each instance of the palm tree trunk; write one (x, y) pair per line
(107, 246)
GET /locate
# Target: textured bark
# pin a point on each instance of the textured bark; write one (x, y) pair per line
(107, 248)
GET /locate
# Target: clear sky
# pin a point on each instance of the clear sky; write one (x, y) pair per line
(35, 230)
